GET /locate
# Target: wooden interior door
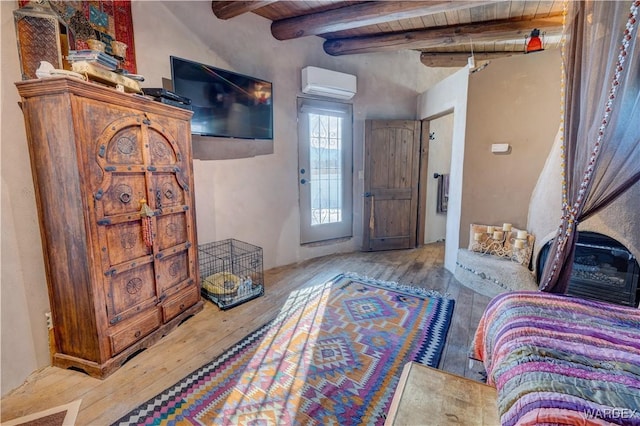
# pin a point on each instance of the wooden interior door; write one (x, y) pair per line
(391, 177)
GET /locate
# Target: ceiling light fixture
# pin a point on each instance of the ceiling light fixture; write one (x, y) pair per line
(533, 43)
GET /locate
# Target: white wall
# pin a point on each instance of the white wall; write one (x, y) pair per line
(256, 199)
(439, 162)
(450, 95)
(23, 289)
(252, 199)
(545, 206)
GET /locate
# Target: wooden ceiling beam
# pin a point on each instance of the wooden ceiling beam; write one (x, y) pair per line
(460, 59)
(489, 31)
(231, 9)
(363, 14)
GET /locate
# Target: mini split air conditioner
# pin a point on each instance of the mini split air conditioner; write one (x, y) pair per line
(331, 84)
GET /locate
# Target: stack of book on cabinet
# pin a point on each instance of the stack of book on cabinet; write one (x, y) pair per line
(95, 57)
(100, 75)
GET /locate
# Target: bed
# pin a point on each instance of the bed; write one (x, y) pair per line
(557, 359)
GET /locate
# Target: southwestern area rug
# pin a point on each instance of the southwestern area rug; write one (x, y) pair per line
(333, 355)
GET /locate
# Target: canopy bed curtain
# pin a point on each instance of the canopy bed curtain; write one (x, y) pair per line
(601, 130)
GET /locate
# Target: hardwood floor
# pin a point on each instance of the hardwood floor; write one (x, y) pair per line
(210, 332)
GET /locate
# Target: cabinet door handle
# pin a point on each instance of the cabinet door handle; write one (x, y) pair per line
(125, 198)
(159, 200)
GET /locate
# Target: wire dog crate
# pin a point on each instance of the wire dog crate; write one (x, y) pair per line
(231, 271)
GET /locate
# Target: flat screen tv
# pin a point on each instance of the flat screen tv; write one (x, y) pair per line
(224, 103)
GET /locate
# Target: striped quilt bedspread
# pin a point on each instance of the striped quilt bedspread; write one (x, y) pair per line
(558, 359)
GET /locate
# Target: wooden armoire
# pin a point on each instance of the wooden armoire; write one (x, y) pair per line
(114, 189)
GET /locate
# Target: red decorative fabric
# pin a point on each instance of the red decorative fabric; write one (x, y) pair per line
(119, 25)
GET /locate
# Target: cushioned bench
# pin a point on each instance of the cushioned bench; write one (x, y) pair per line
(491, 275)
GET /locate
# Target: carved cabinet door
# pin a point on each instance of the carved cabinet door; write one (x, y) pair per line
(145, 226)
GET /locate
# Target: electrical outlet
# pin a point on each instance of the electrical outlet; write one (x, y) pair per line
(47, 315)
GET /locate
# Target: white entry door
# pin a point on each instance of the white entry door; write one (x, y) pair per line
(325, 169)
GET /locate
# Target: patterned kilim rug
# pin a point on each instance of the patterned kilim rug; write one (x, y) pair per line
(333, 355)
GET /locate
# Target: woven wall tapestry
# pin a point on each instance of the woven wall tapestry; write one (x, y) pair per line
(104, 20)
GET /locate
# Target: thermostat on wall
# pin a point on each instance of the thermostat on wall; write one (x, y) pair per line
(500, 148)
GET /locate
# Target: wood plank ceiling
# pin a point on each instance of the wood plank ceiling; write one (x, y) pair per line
(445, 32)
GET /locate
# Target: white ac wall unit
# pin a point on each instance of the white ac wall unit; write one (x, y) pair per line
(331, 84)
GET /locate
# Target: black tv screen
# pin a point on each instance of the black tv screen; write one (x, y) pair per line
(224, 103)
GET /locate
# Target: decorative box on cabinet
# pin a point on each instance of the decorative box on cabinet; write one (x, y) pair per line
(97, 155)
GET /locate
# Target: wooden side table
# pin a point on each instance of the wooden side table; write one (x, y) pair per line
(427, 396)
